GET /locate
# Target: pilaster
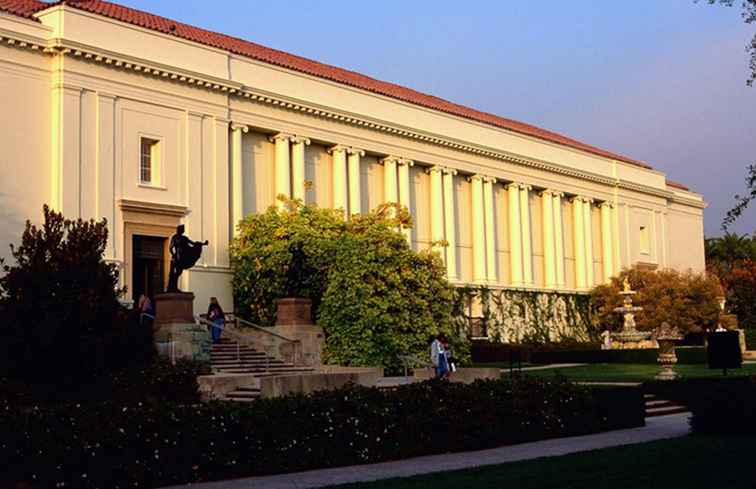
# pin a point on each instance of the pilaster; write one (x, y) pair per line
(237, 175)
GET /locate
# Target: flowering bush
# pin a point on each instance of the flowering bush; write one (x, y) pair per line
(131, 445)
(158, 381)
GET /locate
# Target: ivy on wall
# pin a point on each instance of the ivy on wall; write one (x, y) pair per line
(526, 316)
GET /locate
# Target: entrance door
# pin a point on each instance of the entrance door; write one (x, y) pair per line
(149, 266)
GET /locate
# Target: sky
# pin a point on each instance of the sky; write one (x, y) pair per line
(663, 81)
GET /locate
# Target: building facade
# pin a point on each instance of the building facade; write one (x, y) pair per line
(108, 112)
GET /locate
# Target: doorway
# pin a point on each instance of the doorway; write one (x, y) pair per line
(148, 272)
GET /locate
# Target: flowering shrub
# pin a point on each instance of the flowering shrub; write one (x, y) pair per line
(158, 381)
(131, 445)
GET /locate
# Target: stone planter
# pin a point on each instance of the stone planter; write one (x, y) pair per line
(294, 311)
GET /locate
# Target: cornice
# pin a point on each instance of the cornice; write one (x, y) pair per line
(175, 75)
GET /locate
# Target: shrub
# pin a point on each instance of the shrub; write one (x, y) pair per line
(374, 296)
(383, 299)
(483, 351)
(59, 299)
(725, 407)
(118, 446)
(685, 300)
(685, 356)
(159, 381)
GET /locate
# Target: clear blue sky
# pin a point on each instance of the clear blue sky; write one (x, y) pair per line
(660, 81)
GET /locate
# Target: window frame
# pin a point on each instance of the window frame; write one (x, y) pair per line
(156, 161)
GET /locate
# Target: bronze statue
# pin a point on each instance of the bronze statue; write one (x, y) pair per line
(299, 275)
(184, 254)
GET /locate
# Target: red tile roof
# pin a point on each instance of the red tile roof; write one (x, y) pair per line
(22, 8)
(27, 8)
(671, 183)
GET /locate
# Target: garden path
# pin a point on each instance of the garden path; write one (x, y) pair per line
(658, 428)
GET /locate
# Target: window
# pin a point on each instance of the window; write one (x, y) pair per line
(644, 240)
(149, 156)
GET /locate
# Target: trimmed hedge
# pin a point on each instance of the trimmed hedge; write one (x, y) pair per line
(686, 356)
(117, 445)
(750, 337)
(483, 351)
(725, 407)
(158, 382)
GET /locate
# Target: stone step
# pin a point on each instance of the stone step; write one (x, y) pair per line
(243, 358)
(249, 365)
(261, 371)
(662, 411)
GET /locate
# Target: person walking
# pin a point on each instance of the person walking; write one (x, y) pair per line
(438, 357)
(146, 312)
(217, 319)
(450, 366)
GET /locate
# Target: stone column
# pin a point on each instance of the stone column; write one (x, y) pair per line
(559, 239)
(355, 197)
(298, 144)
(488, 201)
(579, 237)
(339, 177)
(389, 180)
(437, 205)
(515, 236)
(404, 192)
(479, 230)
(283, 173)
(549, 249)
(617, 261)
(607, 247)
(237, 176)
(450, 224)
(588, 227)
(527, 244)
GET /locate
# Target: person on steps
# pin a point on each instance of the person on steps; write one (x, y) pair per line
(217, 319)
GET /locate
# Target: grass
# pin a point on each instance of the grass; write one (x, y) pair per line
(691, 462)
(626, 372)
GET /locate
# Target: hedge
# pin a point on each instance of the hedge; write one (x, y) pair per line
(750, 337)
(116, 445)
(484, 351)
(160, 381)
(686, 356)
(725, 407)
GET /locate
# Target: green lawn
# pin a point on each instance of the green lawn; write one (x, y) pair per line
(627, 372)
(692, 462)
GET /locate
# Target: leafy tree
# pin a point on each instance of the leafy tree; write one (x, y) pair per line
(59, 302)
(741, 293)
(728, 252)
(374, 296)
(749, 16)
(686, 300)
(742, 201)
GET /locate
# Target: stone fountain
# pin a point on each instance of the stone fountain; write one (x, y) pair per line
(629, 337)
(666, 335)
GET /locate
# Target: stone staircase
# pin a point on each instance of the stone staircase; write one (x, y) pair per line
(230, 357)
(661, 407)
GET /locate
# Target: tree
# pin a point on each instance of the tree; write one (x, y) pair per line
(686, 300)
(728, 252)
(742, 201)
(749, 16)
(60, 309)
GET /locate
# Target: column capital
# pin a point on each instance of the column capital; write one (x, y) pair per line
(235, 126)
(512, 186)
(300, 139)
(337, 148)
(355, 151)
(449, 171)
(487, 179)
(606, 204)
(435, 169)
(476, 177)
(281, 136)
(403, 161)
(547, 192)
(390, 159)
(526, 187)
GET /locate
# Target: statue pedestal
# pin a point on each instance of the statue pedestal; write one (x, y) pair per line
(174, 307)
(177, 335)
(294, 321)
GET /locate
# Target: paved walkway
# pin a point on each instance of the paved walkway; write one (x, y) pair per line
(657, 428)
(548, 366)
